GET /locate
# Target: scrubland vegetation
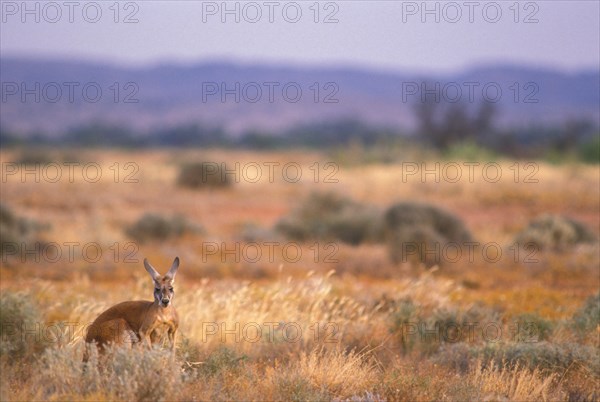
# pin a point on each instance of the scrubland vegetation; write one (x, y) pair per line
(356, 281)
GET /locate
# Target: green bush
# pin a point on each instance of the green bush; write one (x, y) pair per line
(468, 151)
(457, 356)
(33, 157)
(149, 375)
(551, 357)
(21, 326)
(204, 175)
(421, 231)
(415, 244)
(329, 216)
(153, 227)
(531, 327)
(298, 389)
(41, 156)
(222, 360)
(131, 374)
(403, 318)
(365, 397)
(187, 350)
(590, 151)
(427, 333)
(587, 318)
(16, 231)
(442, 327)
(252, 233)
(554, 232)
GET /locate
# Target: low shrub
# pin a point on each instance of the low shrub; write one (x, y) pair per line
(153, 227)
(32, 157)
(418, 382)
(329, 216)
(415, 244)
(427, 333)
(469, 151)
(20, 326)
(587, 318)
(291, 387)
(554, 232)
(204, 175)
(550, 357)
(544, 356)
(252, 233)
(589, 151)
(447, 326)
(459, 357)
(130, 374)
(416, 231)
(530, 327)
(188, 351)
(365, 397)
(222, 360)
(16, 231)
(403, 317)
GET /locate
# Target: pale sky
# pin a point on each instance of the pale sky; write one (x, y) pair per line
(390, 35)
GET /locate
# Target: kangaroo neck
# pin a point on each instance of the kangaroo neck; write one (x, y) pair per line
(156, 305)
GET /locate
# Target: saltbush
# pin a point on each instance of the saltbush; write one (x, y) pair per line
(587, 318)
(550, 357)
(421, 231)
(153, 227)
(16, 231)
(21, 326)
(138, 374)
(530, 327)
(204, 175)
(222, 360)
(554, 232)
(330, 216)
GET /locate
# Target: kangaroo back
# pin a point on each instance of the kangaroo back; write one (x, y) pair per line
(120, 324)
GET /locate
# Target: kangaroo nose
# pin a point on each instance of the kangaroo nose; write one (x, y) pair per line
(165, 302)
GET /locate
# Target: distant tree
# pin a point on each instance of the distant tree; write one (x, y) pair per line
(484, 121)
(334, 133)
(99, 135)
(574, 132)
(443, 123)
(189, 135)
(7, 138)
(258, 140)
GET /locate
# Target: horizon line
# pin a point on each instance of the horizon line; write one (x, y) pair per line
(331, 65)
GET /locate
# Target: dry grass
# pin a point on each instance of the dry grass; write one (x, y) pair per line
(327, 326)
(514, 384)
(332, 373)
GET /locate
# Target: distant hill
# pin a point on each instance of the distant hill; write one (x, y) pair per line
(53, 96)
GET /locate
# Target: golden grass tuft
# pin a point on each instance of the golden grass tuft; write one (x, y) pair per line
(514, 384)
(334, 372)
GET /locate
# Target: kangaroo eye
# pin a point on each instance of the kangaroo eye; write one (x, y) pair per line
(171, 289)
(157, 289)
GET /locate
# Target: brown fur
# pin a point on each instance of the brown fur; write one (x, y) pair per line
(133, 322)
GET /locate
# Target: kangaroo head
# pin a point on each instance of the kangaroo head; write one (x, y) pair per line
(163, 285)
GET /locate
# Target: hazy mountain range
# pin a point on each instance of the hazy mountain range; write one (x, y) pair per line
(53, 96)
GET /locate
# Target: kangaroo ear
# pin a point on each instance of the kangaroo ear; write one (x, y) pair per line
(173, 269)
(153, 273)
